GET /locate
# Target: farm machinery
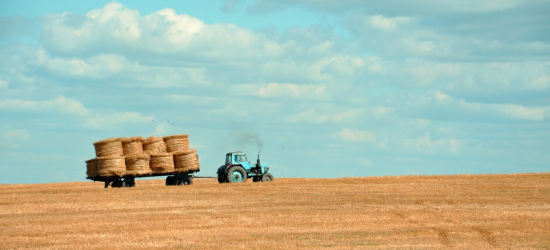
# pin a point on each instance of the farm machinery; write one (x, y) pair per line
(237, 168)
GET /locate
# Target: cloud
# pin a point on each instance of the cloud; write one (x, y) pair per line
(440, 106)
(193, 100)
(164, 32)
(387, 24)
(110, 121)
(60, 104)
(426, 144)
(66, 106)
(365, 162)
(291, 90)
(393, 7)
(3, 84)
(351, 135)
(13, 139)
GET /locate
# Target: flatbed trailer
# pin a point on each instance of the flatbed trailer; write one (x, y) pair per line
(173, 178)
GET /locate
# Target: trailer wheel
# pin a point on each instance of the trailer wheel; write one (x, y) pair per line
(267, 177)
(236, 174)
(117, 183)
(188, 181)
(170, 181)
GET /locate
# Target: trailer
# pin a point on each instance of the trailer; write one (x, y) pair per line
(174, 178)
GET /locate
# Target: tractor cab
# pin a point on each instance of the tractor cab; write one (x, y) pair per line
(236, 158)
(237, 168)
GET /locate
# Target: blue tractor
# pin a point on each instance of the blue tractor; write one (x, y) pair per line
(237, 168)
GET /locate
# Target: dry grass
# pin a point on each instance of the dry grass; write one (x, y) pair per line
(422, 212)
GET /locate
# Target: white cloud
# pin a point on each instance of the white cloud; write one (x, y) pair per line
(193, 100)
(3, 84)
(351, 135)
(444, 105)
(285, 90)
(523, 113)
(114, 120)
(426, 144)
(61, 105)
(388, 24)
(308, 116)
(323, 114)
(14, 139)
(365, 162)
(125, 22)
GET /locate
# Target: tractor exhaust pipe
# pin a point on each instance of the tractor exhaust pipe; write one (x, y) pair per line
(258, 161)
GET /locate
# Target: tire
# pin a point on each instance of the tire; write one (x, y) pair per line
(222, 180)
(188, 181)
(256, 178)
(267, 177)
(117, 183)
(236, 174)
(170, 181)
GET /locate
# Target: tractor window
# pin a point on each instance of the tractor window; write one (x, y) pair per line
(243, 158)
(236, 158)
(227, 159)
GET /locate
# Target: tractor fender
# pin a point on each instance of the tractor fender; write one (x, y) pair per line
(232, 165)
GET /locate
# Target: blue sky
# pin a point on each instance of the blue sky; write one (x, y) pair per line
(333, 88)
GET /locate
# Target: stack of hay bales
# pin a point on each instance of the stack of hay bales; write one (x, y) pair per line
(185, 159)
(154, 145)
(136, 156)
(137, 161)
(110, 157)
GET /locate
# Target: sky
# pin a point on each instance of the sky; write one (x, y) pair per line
(329, 88)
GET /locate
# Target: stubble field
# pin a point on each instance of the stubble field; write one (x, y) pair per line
(424, 212)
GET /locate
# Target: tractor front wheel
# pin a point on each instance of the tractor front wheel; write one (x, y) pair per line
(236, 174)
(267, 177)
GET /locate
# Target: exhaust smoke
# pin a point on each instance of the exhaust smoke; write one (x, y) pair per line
(246, 138)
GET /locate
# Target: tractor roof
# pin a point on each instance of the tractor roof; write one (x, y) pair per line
(236, 153)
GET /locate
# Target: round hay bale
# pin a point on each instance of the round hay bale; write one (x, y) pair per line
(154, 145)
(138, 165)
(175, 143)
(111, 166)
(132, 145)
(185, 161)
(91, 168)
(162, 163)
(108, 147)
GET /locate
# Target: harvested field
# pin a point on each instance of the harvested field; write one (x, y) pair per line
(425, 212)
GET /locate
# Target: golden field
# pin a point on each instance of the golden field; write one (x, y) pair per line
(403, 212)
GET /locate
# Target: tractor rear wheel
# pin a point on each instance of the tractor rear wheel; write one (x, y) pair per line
(267, 177)
(236, 174)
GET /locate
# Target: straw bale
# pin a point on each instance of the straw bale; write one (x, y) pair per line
(138, 165)
(154, 145)
(162, 163)
(186, 161)
(109, 147)
(175, 143)
(91, 167)
(111, 166)
(132, 145)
